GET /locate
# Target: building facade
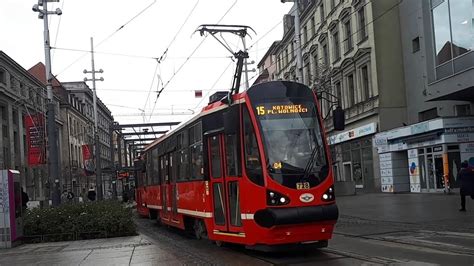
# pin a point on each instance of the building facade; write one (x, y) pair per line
(84, 97)
(438, 44)
(22, 99)
(351, 60)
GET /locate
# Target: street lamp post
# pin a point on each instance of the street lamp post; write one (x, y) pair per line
(51, 122)
(299, 56)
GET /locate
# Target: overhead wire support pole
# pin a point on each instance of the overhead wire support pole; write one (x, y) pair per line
(98, 167)
(53, 157)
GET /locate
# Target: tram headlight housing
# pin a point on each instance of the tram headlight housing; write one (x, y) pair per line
(329, 195)
(276, 199)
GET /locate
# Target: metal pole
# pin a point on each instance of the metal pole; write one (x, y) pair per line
(98, 168)
(299, 56)
(245, 66)
(51, 122)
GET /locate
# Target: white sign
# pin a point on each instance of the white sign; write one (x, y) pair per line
(353, 134)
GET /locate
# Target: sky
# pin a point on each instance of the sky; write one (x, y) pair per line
(128, 54)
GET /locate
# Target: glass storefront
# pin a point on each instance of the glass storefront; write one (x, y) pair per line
(357, 162)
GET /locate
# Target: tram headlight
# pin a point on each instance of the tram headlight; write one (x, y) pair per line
(329, 194)
(276, 199)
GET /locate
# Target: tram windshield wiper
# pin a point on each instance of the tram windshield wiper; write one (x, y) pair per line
(312, 159)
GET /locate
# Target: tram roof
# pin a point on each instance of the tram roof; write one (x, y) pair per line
(208, 109)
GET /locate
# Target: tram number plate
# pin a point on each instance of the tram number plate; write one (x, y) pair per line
(302, 185)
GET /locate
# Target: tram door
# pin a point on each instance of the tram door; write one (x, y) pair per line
(165, 186)
(225, 182)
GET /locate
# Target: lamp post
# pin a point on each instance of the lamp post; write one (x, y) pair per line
(51, 121)
(299, 56)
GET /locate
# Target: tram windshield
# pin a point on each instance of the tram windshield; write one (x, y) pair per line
(293, 142)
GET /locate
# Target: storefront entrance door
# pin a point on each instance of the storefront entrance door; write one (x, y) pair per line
(434, 172)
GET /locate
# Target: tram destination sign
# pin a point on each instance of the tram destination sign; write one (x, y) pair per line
(277, 109)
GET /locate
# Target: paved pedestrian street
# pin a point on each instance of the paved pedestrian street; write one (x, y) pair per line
(373, 229)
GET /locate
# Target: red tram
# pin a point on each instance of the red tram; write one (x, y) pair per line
(251, 168)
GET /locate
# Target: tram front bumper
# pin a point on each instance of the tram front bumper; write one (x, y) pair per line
(270, 217)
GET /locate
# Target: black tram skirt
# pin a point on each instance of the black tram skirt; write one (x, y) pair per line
(296, 215)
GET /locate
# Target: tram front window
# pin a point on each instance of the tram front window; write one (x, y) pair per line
(293, 143)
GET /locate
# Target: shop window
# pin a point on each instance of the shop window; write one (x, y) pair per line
(453, 147)
(421, 151)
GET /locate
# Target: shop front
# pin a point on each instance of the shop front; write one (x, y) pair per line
(425, 157)
(352, 155)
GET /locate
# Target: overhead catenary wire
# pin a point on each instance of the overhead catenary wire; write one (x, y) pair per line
(108, 37)
(57, 29)
(187, 59)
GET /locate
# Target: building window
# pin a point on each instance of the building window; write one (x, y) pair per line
(365, 81)
(336, 46)
(3, 76)
(305, 35)
(428, 114)
(315, 65)
(415, 43)
(338, 93)
(351, 90)
(325, 53)
(362, 26)
(453, 26)
(333, 4)
(462, 110)
(321, 11)
(348, 36)
(307, 70)
(313, 27)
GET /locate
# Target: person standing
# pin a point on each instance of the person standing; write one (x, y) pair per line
(466, 179)
(91, 194)
(24, 199)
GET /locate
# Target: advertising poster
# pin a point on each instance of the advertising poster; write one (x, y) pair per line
(35, 137)
(89, 167)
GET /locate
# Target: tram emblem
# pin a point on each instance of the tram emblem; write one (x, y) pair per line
(306, 197)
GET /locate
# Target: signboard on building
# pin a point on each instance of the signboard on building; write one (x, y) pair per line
(35, 138)
(353, 133)
(89, 167)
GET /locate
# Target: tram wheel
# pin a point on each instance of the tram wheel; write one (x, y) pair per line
(200, 231)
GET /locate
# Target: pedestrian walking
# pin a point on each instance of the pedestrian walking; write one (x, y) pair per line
(466, 179)
(24, 199)
(91, 194)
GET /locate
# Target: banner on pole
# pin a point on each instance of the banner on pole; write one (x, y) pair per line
(89, 168)
(35, 137)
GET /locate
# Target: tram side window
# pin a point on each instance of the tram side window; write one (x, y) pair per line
(171, 175)
(148, 170)
(155, 164)
(196, 161)
(232, 155)
(195, 152)
(183, 165)
(253, 165)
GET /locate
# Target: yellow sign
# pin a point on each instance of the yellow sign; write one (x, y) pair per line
(282, 109)
(277, 165)
(303, 185)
